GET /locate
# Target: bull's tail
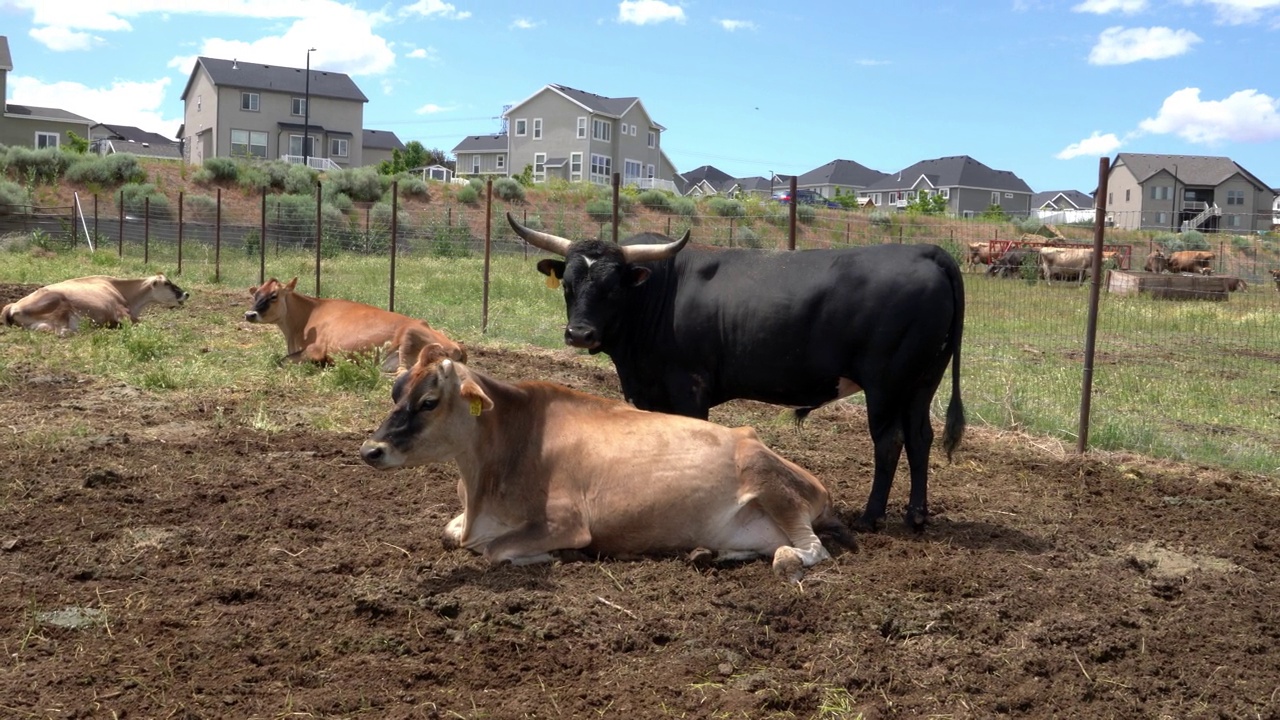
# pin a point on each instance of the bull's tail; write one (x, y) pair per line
(953, 430)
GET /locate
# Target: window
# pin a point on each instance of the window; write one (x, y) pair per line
(630, 170)
(876, 199)
(337, 147)
(1009, 195)
(601, 130)
(945, 192)
(653, 138)
(601, 169)
(500, 162)
(475, 164)
(633, 131)
(575, 167)
(539, 167)
(1162, 219)
(1235, 197)
(199, 102)
(649, 172)
(1110, 198)
(582, 128)
(249, 101)
(295, 145)
(522, 127)
(1126, 196)
(537, 128)
(1234, 220)
(995, 198)
(1161, 192)
(298, 107)
(46, 140)
(246, 143)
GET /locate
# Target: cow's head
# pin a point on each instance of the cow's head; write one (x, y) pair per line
(437, 404)
(165, 292)
(270, 301)
(596, 277)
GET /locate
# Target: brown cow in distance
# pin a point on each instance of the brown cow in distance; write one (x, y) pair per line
(547, 470)
(1157, 262)
(1191, 261)
(316, 329)
(97, 299)
(1275, 276)
(978, 253)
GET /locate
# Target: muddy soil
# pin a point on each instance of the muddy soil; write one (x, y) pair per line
(173, 564)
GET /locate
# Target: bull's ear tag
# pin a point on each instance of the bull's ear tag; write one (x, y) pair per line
(553, 282)
(475, 407)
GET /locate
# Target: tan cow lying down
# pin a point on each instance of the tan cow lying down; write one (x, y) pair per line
(547, 469)
(97, 299)
(316, 329)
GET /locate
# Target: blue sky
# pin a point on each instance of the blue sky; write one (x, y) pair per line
(1037, 87)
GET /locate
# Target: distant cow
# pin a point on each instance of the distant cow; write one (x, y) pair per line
(1235, 284)
(978, 253)
(1156, 262)
(1191, 261)
(1275, 276)
(546, 469)
(1011, 263)
(1065, 263)
(97, 299)
(316, 329)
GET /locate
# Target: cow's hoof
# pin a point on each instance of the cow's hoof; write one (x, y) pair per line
(916, 518)
(701, 558)
(868, 523)
(788, 565)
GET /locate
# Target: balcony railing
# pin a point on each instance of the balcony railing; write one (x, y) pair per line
(650, 183)
(316, 163)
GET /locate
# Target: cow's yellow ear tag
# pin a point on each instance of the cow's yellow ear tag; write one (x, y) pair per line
(553, 282)
(475, 407)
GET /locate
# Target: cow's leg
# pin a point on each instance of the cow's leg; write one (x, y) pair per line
(917, 433)
(886, 436)
(535, 541)
(452, 536)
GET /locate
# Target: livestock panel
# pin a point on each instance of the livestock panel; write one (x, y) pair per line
(1164, 286)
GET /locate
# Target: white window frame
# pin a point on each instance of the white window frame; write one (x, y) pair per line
(537, 128)
(248, 137)
(1235, 197)
(601, 130)
(46, 139)
(522, 127)
(298, 106)
(601, 169)
(945, 192)
(876, 199)
(540, 167)
(500, 161)
(582, 128)
(653, 138)
(575, 167)
(995, 197)
(650, 172)
(633, 131)
(475, 164)
(1009, 195)
(298, 137)
(338, 147)
(250, 101)
(628, 166)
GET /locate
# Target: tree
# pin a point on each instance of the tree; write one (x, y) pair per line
(994, 212)
(77, 144)
(926, 204)
(415, 155)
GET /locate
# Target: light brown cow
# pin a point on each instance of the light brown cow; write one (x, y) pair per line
(97, 299)
(1192, 261)
(316, 329)
(1156, 262)
(1074, 263)
(979, 252)
(1235, 284)
(548, 470)
(1275, 276)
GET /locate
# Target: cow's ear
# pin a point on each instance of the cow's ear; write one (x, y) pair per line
(638, 275)
(292, 284)
(475, 397)
(253, 291)
(552, 268)
(432, 352)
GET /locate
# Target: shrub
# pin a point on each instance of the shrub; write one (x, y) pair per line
(201, 208)
(806, 214)
(221, 169)
(108, 171)
(144, 197)
(359, 184)
(746, 237)
(881, 218)
(40, 166)
(656, 200)
(726, 207)
(476, 184)
(684, 206)
(601, 210)
(468, 194)
(380, 216)
(253, 178)
(1030, 224)
(299, 180)
(414, 187)
(14, 199)
(508, 189)
(448, 240)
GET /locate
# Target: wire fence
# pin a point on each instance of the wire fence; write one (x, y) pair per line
(1186, 362)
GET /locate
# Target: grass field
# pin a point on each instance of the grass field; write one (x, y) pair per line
(1182, 380)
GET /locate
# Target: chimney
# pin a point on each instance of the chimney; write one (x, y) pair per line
(234, 66)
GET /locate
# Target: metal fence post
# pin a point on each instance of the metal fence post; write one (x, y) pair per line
(391, 291)
(1095, 288)
(319, 200)
(217, 240)
(488, 244)
(181, 204)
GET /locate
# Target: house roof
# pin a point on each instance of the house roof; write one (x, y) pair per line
(256, 76)
(591, 102)
(133, 134)
(1062, 200)
(45, 113)
(129, 139)
(381, 140)
(482, 144)
(6, 60)
(756, 183)
(1189, 169)
(713, 175)
(954, 171)
(841, 172)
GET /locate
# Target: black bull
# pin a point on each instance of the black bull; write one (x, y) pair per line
(690, 330)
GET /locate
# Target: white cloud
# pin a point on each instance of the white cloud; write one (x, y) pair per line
(1241, 12)
(435, 8)
(432, 109)
(1120, 46)
(1104, 7)
(1094, 145)
(643, 12)
(1244, 116)
(140, 104)
(524, 24)
(61, 39)
(427, 53)
(732, 25)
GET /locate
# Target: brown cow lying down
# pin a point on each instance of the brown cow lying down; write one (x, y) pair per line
(97, 299)
(316, 329)
(546, 469)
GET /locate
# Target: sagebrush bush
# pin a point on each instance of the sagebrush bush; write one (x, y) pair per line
(806, 214)
(414, 187)
(1030, 224)
(476, 184)
(746, 237)
(881, 218)
(726, 207)
(221, 169)
(359, 184)
(468, 194)
(14, 199)
(684, 206)
(299, 180)
(601, 210)
(508, 189)
(656, 200)
(139, 198)
(200, 208)
(380, 216)
(42, 166)
(253, 178)
(106, 171)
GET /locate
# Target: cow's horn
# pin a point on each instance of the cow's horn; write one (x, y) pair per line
(541, 240)
(649, 253)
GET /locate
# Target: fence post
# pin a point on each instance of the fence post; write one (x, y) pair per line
(617, 185)
(791, 230)
(391, 295)
(120, 238)
(217, 240)
(488, 244)
(180, 206)
(95, 218)
(262, 241)
(1095, 288)
(319, 200)
(731, 232)
(146, 230)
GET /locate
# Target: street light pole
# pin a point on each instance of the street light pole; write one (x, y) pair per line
(306, 113)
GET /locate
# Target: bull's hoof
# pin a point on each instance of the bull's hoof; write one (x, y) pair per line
(916, 518)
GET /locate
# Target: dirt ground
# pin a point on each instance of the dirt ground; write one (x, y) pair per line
(180, 564)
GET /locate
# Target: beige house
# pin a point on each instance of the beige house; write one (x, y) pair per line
(29, 126)
(1186, 192)
(251, 110)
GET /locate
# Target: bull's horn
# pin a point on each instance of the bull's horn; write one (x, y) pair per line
(649, 253)
(541, 240)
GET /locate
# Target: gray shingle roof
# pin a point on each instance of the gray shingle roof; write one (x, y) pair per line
(713, 175)
(1062, 200)
(954, 171)
(1190, 169)
(129, 139)
(482, 144)
(841, 172)
(47, 113)
(381, 140)
(272, 78)
(597, 103)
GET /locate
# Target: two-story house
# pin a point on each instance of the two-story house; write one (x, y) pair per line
(242, 109)
(969, 187)
(30, 126)
(839, 177)
(1186, 192)
(560, 132)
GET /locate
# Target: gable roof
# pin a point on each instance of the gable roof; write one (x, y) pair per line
(133, 134)
(381, 140)
(45, 113)
(841, 172)
(953, 171)
(591, 102)
(1189, 169)
(272, 78)
(715, 177)
(129, 139)
(1062, 200)
(482, 144)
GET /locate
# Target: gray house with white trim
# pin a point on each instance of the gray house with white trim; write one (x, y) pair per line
(839, 177)
(969, 187)
(1186, 192)
(31, 126)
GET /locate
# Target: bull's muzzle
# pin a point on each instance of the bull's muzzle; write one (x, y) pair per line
(580, 336)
